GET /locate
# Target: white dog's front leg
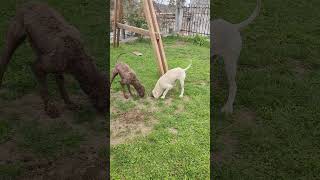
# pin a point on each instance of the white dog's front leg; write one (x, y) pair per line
(166, 91)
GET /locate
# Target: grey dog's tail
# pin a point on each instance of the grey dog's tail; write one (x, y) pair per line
(188, 66)
(255, 13)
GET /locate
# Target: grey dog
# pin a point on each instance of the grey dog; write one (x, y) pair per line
(227, 43)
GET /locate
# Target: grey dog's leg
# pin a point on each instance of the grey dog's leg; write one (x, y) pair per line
(61, 84)
(41, 77)
(231, 69)
(16, 34)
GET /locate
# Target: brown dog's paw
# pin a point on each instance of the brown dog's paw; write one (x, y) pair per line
(52, 111)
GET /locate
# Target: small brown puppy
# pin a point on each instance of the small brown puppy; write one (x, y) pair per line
(128, 77)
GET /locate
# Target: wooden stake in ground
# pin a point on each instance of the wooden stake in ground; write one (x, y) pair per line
(154, 32)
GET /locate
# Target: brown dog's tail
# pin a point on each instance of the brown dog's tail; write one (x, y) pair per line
(16, 34)
(255, 13)
(115, 71)
(119, 57)
(114, 74)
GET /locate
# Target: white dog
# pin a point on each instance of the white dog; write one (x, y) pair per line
(227, 43)
(167, 81)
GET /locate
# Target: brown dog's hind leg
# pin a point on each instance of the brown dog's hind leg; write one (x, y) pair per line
(60, 81)
(41, 77)
(16, 34)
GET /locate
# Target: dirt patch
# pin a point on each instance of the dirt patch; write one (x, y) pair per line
(138, 120)
(180, 108)
(77, 167)
(83, 162)
(299, 67)
(228, 147)
(173, 131)
(131, 124)
(168, 101)
(135, 122)
(245, 117)
(227, 143)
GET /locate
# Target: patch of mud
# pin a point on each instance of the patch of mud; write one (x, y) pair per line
(84, 162)
(131, 124)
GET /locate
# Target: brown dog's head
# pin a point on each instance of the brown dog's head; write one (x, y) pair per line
(139, 88)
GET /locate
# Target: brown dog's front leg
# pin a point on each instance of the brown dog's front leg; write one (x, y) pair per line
(41, 77)
(124, 90)
(60, 81)
(129, 89)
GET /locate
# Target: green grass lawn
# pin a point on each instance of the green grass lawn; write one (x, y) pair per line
(24, 129)
(274, 131)
(177, 146)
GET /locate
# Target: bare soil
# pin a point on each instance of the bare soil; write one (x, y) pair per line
(137, 122)
(84, 163)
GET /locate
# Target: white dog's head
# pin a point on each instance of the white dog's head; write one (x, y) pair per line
(157, 91)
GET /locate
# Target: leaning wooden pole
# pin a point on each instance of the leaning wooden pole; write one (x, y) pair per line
(152, 35)
(155, 36)
(158, 36)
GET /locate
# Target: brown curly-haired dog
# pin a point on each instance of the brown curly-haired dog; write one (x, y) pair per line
(59, 49)
(128, 77)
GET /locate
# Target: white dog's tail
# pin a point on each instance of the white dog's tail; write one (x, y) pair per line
(246, 22)
(188, 66)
